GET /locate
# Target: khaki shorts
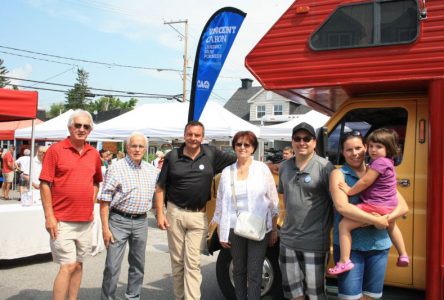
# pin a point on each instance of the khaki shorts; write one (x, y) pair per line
(8, 177)
(73, 242)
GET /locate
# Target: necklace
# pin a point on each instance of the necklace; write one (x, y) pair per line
(243, 168)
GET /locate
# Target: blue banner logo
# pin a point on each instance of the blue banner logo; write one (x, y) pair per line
(214, 45)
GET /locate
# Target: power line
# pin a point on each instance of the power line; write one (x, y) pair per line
(91, 88)
(153, 96)
(93, 62)
(54, 76)
(36, 58)
(86, 60)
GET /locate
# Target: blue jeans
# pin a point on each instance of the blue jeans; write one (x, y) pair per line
(367, 277)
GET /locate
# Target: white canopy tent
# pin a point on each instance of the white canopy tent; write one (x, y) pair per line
(167, 121)
(283, 131)
(53, 129)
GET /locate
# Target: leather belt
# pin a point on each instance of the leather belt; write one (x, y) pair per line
(191, 209)
(203, 209)
(127, 215)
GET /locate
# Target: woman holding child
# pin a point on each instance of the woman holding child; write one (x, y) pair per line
(369, 245)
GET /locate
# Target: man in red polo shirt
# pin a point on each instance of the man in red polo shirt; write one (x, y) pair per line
(70, 178)
(8, 172)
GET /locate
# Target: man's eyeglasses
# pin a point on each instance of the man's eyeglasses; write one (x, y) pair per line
(79, 125)
(306, 139)
(246, 145)
(137, 146)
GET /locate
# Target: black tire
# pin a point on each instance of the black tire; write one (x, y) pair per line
(272, 276)
(275, 292)
(223, 274)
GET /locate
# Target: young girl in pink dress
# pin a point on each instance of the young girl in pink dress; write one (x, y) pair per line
(378, 194)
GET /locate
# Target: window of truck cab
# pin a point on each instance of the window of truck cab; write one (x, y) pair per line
(368, 24)
(366, 120)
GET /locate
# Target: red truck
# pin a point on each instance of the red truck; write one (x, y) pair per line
(371, 64)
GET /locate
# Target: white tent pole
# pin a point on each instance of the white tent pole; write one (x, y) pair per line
(14, 155)
(31, 161)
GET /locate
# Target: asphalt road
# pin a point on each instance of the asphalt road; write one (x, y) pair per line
(32, 278)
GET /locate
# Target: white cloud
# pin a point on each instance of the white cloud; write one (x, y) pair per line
(142, 20)
(21, 72)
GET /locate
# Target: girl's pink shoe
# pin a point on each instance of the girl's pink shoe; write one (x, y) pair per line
(403, 261)
(341, 268)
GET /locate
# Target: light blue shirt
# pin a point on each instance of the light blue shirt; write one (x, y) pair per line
(363, 239)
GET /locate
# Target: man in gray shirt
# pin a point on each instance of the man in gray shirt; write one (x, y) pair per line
(305, 234)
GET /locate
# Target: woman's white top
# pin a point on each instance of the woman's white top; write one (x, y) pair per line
(261, 196)
(240, 187)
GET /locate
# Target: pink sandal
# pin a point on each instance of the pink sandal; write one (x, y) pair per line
(403, 261)
(341, 268)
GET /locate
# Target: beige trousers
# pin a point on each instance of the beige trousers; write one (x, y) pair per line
(187, 236)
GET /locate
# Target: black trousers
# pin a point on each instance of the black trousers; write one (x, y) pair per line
(248, 258)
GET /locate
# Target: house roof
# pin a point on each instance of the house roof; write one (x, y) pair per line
(238, 104)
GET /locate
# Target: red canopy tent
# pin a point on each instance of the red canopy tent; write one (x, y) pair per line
(7, 129)
(17, 105)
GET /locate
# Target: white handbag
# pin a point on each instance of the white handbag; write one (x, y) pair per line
(248, 225)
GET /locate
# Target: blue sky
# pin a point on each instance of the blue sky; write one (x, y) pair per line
(129, 32)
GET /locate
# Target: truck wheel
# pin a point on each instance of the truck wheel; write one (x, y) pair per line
(271, 275)
(224, 274)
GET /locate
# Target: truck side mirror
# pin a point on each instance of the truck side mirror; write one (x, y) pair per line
(322, 141)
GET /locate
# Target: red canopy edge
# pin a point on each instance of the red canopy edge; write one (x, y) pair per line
(7, 129)
(17, 105)
(6, 135)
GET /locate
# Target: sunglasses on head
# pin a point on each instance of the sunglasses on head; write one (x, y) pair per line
(352, 133)
(79, 125)
(298, 139)
(246, 145)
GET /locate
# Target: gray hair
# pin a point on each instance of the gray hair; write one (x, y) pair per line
(26, 152)
(134, 134)
(80, 112)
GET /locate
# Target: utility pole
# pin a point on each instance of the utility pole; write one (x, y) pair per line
(185, 53)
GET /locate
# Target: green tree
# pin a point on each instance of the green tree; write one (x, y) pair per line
(78, 96)
(110, 103)
(3, 71)
(56, 109)
(131, 103)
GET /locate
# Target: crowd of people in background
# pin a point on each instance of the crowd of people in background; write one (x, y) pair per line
(317, 198)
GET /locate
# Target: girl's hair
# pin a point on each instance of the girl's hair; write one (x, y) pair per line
(387, 137)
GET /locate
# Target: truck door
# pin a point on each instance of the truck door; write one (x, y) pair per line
(400, 115)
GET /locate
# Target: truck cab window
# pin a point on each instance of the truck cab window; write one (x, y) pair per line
(368, 24)
(366, 120)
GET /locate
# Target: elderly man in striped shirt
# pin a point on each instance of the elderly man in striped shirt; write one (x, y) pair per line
(125, 199)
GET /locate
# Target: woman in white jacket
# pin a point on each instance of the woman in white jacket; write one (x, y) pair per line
(255, 192)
